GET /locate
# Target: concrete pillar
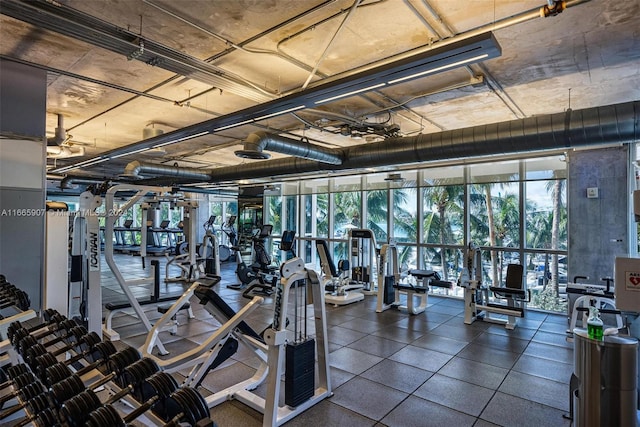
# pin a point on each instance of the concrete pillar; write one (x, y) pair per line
(598, 209)
(22, 177)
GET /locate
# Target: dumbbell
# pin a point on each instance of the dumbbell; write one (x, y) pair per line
(111, 365)
(72, 411)
(25, 394)
(50, 316)
(19, 383)
(12, 372)
(67, 330)
(66, 389)
(55, 329)
(85, 341)
(19, 299)
(186, 403)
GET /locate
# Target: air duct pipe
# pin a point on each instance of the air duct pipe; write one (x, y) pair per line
(256, 142)
(137, 169)
(69, 181)
(618, 123)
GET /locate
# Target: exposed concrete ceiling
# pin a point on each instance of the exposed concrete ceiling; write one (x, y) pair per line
(586, 56)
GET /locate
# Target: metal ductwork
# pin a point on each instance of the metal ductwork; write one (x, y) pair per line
(136, 170)
(64, 151)
(69, 181)
(256, 142)
(618, 123)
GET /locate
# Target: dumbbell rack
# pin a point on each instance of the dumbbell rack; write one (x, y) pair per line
(98, 386)
(14, 312)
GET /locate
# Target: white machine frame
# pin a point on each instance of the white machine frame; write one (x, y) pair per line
(362, 254)
(112, 215)
(476, 295)
(344, 290)
(86, 243)
(276, 338)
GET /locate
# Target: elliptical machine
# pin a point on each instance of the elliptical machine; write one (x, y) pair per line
(258, 272)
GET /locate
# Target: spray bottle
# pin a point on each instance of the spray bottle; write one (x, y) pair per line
(594, 324)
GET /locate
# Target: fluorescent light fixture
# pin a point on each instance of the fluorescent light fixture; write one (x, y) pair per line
(233, 125)
(84, 163)
(440, 68)
(277, 113)
(174, 141)
(140, 150)
(353, 92)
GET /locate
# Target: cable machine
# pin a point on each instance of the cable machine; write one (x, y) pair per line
(362, 252)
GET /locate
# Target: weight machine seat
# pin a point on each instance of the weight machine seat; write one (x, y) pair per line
(325, 246)
(207, 295)
(513, 284)
(433, 276)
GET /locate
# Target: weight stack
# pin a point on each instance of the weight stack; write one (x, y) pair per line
(299, 376)
(389, 291)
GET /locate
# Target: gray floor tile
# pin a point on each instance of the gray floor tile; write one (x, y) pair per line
(397, 375)
(460, 333)
(399, 334)
(551, 352)
(519, 332)
(362, 325)
(353, 361)
(489, 355)
(502, 342)
(545, 368)
(474, 372)
(368, 397)
(417, 412)
(339, 377)
(418, 323)
(422, 358)
(440, 343)
(343, 336)
(552, 338)
(511, 411)
(377, 346)
(537, 389)
(459, 395)
(331, 414)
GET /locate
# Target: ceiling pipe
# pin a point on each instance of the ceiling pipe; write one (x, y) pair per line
(619, 123)
(69, 182)
(64, 152)
(60, 133)
(256, 142)
(136, 170)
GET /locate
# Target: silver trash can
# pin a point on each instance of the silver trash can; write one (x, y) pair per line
(604, 381)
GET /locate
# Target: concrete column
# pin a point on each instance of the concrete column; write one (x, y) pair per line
(22, 177)
(598, 202)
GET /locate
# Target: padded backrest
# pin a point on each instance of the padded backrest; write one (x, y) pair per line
(287, 241)
(514, 276)
(321, 245)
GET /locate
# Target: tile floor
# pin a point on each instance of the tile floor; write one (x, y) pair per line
(393, 369)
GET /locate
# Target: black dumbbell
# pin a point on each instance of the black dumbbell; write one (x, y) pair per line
(19, 383)
(66, 389)
(12, 372)
(55, 329)
(85, 341)
(111, 365)
(25, 394)
(19, 299)
(50, 316)
(186, 405)
(70, 331)
(133, 375)
(163, 384)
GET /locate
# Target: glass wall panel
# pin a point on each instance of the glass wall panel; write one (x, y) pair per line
(405, 215)
(273, 213)
(322, 215)
(346, 212)
(546, 214)
(377, 214)
(495, 172)
(443, 214)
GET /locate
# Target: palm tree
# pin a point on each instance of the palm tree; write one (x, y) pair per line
(557, 190)
(444, 198)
